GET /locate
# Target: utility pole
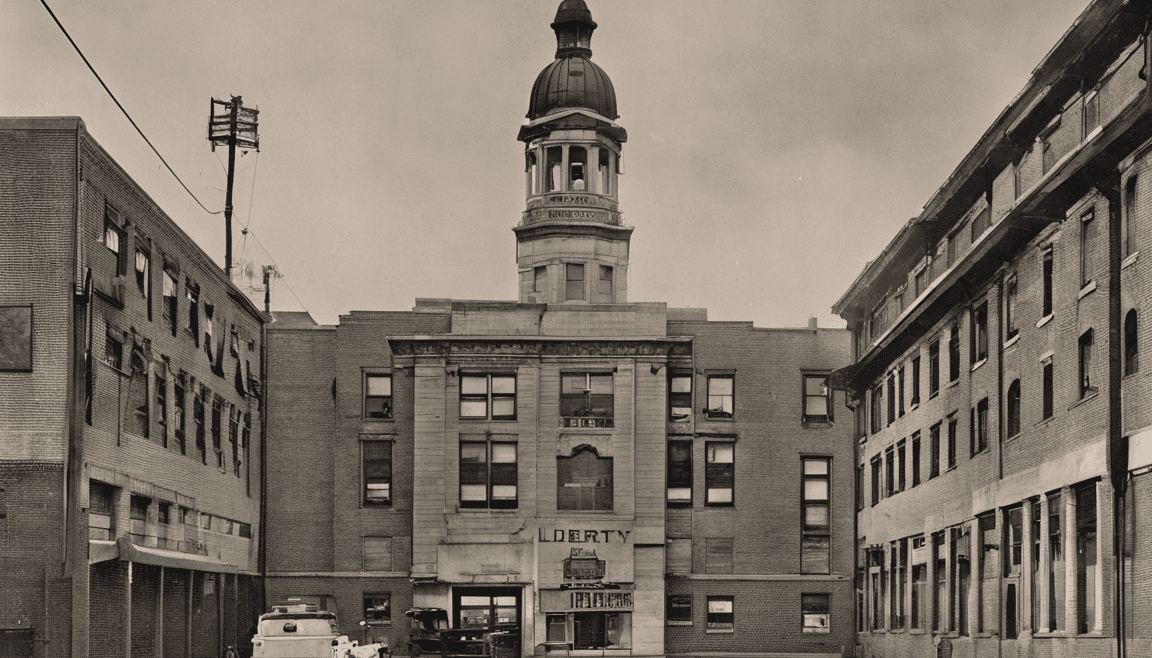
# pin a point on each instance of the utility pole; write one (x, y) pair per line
(235, 126)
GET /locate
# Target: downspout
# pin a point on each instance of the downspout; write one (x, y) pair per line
(261, 557)
(999, 374)
(1117, 444)
(72, 396)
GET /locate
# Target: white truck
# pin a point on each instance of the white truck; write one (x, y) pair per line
(302, 631)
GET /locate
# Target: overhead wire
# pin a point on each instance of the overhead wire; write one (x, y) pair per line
(169, 167)
(124, 111)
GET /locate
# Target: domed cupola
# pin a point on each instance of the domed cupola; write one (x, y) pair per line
(572, 245)
(573, 80)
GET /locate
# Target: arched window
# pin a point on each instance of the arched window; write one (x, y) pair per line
(555, 159)
(532, 171)
(577, 168)
(584, 480)
(1131, 344)
(605, 174)
(1014, 408)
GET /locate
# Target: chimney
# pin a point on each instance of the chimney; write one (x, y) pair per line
(812, 323)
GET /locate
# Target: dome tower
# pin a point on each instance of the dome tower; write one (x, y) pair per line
(571, 244)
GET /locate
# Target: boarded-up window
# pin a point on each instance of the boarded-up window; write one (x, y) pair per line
(16, 338)
(679, 556)
(377, 553)
(719, 556)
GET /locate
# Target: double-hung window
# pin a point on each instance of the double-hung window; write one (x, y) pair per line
(680, 397)
(1089, 236)
(376, 458)
(815, 613)
(679, 473)
(721, 396)
(1087, 382)
(377, 396)
(1010, 319)
(816, 538)
(720, 616)
(980, 333)
(586, 399)
(719, 473)
(817, 399)
(934, 368)
(488, 397)
(488, 475)
(573, 281)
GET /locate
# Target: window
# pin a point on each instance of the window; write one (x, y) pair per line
(680, 397)
(1091, 113)
(143, 272)
(915, 380)
(1010, 328)
(983, 220)
(952, 441)
(679, 556)
(178, 411)
(99, 511)
(1131, 344)
(1056, 564)
(584, 481)
(989, 556)
(900, 576)
(378, 609)
(816, 527)
(877, 405)
(954, 353)
(934, 447)
(859, 487)
(605, 177)
(900, 389)
(532, 172)
(112, 238)
(679, 473)
(720, 617)
(234, 414)
(979, 432)
(378, 396)
(192, 292)
(718, 555)
(901, 465)
(1013, 407)
(814, 613)
(721, 389)
(1088, 239)
(953, 238)
(1047, 275)
(169, 309)
(198, 419)
(1049, 389)
(891, 397)
(940, 593)
(678, 610)
(915, 458)
(539, 278)
(162, 405)
(1127, 217)
(1047, 153)
(488, 474)
(719, 473)
(1087, 381)
(605, 289)
(113, 351)
(217, 421)
(377, 464)
(377, 553)
(817, 399)
(919, 584)
(573, 281)
(889, 471)
(1088, 562)
(921, 281)
(876, 468)
(586, 399)
(934, 368)
(979, 333)
(488, 397)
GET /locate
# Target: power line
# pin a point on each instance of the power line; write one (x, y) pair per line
(125, 112)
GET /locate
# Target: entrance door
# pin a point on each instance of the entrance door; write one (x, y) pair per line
(589, 630)
(490, 609)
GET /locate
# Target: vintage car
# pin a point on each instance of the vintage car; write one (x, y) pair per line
(424, 633)
(296, 630)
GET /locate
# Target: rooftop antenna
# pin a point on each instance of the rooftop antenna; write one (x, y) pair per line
(235, 125)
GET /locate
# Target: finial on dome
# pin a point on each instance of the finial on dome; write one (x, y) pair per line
(573, 27)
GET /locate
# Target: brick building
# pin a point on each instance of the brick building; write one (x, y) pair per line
(596, 475)
(130, 415)
(1001, 414)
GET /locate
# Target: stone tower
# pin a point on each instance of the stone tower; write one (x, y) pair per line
(572, 245)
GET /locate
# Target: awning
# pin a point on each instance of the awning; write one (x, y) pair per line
(99, 551)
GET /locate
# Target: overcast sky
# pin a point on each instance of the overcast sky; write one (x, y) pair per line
(774, 146)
